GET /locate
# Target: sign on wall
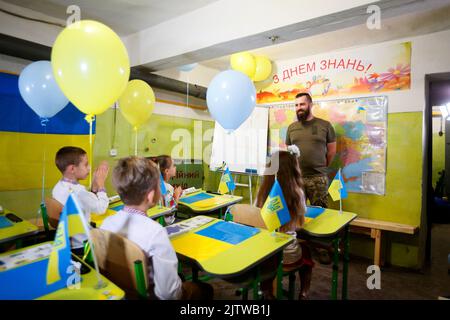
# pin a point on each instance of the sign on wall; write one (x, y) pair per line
(189, 174)
(369, 70)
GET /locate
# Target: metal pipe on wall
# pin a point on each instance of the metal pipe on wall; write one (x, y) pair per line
(32, 51)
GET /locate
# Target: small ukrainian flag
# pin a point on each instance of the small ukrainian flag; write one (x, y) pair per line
(226, 182)
(70, 223)
(275, 212)
(162, 185)
(337, 189)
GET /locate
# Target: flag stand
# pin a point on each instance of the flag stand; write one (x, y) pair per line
(218, 188)
(100, 283)
(249, 184)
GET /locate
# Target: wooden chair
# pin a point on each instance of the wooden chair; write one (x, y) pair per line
(251, 216)
(53, 212)
(123, 262)
(248, 215)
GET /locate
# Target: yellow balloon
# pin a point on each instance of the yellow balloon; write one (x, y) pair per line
(243, 62)
(263, 68)
(137, 102)
(91, 66)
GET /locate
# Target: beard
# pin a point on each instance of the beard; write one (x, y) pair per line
(302, 116)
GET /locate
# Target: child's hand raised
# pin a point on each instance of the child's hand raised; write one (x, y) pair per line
(102, 170)
(177, 193)
(100, 175)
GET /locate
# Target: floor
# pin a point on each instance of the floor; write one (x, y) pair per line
(396, 283)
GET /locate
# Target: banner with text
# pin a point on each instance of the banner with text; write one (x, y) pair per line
(371, 69)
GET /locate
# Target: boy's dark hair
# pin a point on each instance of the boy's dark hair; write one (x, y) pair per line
(134, 177)
(304, 94)
(67, 156)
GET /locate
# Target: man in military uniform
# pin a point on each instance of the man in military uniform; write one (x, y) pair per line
(317, 143)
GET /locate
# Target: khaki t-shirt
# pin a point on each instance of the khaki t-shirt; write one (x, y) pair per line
(312, 138)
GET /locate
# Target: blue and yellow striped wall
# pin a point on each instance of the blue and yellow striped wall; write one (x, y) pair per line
(24, 141)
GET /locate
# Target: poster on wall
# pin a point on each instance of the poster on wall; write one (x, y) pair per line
(369, 70)
(361, 132)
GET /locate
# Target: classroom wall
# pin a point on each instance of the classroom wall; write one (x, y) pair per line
(157, 137)
(402, 202)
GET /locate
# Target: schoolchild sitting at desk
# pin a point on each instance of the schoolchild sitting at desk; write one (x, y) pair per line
(290, 179)
(136, 180)
(74, 166)
(168, 171)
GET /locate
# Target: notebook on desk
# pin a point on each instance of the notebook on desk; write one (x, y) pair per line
(10, 261)
(188, 225)
(114, 199)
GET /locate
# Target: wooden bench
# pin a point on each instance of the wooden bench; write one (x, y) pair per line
(374, 228)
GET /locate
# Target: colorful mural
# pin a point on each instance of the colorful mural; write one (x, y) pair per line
(360, 126)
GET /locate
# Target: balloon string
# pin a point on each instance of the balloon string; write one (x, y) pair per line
(44, 122)
(135, 140)
(187, 92)
(90, 118)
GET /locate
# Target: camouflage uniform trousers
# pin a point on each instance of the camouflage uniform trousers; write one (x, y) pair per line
(316, 189)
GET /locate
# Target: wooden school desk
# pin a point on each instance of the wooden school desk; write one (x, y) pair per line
(327, 224)
(226, 260)
(154, 213)
(202, 202)
(10, 230)
(88, 289)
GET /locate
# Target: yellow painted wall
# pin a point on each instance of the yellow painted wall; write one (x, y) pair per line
(154, 138)
(402, 201)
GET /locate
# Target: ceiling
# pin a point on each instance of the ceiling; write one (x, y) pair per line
(123, 16)
(407, 25)
(128, 17)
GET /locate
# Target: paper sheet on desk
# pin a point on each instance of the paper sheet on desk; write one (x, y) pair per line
(229, 232)
(117, 208)
(313, 212)
(210, 202)
(5, 223)
(199, 247)
(196, 198)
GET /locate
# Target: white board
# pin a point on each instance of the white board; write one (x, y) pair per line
(244, 149)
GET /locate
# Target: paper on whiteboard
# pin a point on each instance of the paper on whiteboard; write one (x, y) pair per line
(245, 148)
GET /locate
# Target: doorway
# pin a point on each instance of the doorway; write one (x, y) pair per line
(435, 219)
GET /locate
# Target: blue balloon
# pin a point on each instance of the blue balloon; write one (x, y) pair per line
(188, 67)
(231, 98)
(40, 91)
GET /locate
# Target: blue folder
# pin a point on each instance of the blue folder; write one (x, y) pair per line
(313, 212)
(4, 222)
(228, 232)
(196, 197)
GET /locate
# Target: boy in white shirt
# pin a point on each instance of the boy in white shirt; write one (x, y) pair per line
(136, 180)
(74, 166)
